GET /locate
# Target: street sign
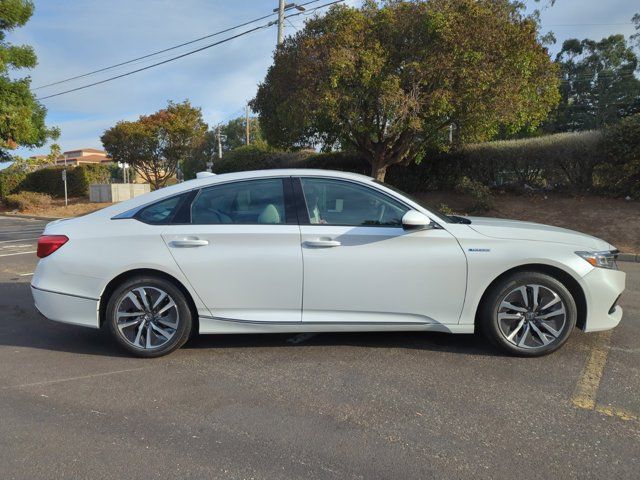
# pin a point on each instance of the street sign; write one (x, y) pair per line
(64, 179)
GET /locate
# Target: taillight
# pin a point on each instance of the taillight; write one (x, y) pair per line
(47, 244)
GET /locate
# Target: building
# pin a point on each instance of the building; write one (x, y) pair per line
(83, 155)
(75, 157)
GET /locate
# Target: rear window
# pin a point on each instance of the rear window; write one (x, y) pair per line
(160, 212)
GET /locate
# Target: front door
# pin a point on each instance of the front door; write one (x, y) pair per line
(241, 251)
(361, 266)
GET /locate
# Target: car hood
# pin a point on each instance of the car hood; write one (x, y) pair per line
(517, 230)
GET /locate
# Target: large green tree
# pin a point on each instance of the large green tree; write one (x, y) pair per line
(599, 85)
(155, 145)
(22, 117)
(388, 80)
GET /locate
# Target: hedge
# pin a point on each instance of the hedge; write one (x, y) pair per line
(10, 181)
(49, 180)
(577, 161)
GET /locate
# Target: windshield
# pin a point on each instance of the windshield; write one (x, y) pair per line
(435, 211)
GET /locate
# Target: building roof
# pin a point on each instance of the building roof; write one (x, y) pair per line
(90, 150)
(86, 158)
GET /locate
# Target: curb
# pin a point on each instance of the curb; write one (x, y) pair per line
(32, 217)
(628, 257)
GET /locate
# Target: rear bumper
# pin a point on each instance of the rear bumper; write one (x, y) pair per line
(66, 308)
(603, 289)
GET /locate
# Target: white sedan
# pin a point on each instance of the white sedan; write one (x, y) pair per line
(318, 251)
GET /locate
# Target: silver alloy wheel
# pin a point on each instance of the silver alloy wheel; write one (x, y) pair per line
(147, 317)
(532, 316)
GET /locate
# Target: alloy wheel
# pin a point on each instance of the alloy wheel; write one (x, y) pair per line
(147, 317)
(532, 316)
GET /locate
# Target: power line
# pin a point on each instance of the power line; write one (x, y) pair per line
(191, 52)
(158, 52)
(246, 32)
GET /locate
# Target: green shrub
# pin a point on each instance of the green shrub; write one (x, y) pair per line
(250, 157)
(10, 180)
(575, 161)
(49, 180)
(27, 200)
(620, 173)
(565, 159)
(481, 195)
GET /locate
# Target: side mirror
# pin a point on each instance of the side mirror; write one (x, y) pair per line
(414, 220)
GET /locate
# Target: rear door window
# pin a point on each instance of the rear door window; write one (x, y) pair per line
(247, 202)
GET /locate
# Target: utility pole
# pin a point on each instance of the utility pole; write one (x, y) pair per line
(247, 123)
(283, 7)
(218, 137)
(280, 21)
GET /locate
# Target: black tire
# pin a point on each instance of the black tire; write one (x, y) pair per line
(182, 317)
(534, 346)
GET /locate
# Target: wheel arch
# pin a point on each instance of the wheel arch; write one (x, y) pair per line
(113, 284)
(576, 290)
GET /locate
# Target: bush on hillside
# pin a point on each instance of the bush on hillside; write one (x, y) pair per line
(11, 180)
(620, 173)
(566, 159)
(481, 195)
(27, 200)
(49, 180)
(577, 161)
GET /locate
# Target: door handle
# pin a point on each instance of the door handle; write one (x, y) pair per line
(320, 243)
(188, 243)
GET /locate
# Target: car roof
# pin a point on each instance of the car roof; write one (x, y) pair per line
(289, 172)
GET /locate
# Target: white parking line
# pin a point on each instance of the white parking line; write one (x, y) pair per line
(25, 274)
(19, 240)
(30, 231)
(18, 253)
(13, 247)
(70, 379)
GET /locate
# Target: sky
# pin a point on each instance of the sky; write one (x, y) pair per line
(72, 37)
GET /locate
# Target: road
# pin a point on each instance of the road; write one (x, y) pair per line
(405, 405)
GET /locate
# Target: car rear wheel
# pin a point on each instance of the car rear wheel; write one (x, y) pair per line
(529, 314)
(148, 316)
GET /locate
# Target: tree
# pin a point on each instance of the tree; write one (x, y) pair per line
(388, 81)
(599, 85)
(236, 134)
(635, 38)
(22, 115)
(155, 145)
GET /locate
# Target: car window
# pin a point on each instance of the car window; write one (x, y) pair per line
(335, 202)
(247, 202)
(160, 212)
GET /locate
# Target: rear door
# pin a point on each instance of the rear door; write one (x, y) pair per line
(361, 266)
(241, 250)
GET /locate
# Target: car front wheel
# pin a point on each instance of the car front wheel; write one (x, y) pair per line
(148, 316)
(529, 314)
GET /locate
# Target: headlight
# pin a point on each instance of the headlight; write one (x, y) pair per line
(601, 259)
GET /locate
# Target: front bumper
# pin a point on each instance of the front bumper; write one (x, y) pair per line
(603, 287)
(66, 308)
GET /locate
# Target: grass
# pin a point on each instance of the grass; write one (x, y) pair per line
(77, 206)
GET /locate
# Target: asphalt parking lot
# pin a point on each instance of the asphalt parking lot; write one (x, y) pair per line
(380, 405)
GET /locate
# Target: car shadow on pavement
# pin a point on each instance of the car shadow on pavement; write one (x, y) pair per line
(22, 326)
(431, 341)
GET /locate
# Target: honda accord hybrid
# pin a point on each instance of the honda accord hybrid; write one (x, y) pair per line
(318, 251)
